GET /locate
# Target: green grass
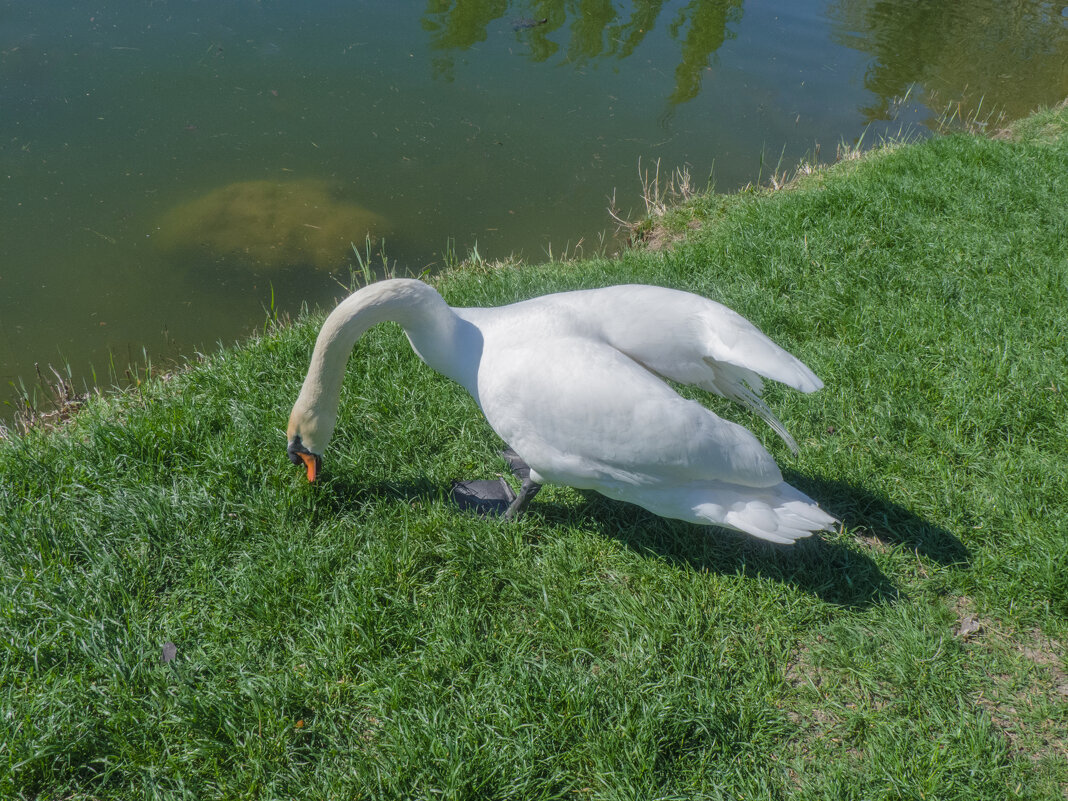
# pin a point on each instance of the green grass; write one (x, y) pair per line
(360, 638)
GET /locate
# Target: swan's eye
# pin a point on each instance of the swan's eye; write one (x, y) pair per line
(294, 449)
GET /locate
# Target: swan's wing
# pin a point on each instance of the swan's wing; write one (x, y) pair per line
(693, 340)
(583, 414)
(743, 386)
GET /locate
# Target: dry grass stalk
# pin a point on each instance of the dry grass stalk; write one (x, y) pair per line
(60, 403)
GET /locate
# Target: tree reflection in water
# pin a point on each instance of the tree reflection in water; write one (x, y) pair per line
(1009, 58)
(984, 54)
(589, 30)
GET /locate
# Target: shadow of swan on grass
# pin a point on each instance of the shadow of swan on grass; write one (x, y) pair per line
(832, 571)
(886, 521)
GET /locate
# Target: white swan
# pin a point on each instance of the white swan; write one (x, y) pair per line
(573, 383)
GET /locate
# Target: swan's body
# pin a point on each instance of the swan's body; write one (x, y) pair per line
(573, 383)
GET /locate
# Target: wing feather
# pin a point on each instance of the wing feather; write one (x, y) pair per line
(693, 340)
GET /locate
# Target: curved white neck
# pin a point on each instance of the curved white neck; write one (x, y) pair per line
(440, 338)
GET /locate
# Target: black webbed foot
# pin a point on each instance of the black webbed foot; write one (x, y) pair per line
(486, 498)
(494, 498)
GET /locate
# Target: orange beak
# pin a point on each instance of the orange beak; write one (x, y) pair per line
(312, 463)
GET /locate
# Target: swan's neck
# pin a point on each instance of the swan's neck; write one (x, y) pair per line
(437, 335)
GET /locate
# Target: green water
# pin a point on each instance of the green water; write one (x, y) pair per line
(461, 124)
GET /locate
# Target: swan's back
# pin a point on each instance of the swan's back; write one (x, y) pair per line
(677, 335)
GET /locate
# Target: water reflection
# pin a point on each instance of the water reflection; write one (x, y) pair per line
(1008, 58)
(587, 31)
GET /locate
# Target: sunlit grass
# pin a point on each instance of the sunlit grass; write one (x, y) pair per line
(361, 638)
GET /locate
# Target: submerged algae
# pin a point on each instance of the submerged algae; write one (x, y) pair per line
(269, 224)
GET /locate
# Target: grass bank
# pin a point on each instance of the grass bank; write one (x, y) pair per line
(360, 638)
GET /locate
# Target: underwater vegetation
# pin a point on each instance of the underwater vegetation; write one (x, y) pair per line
(269, 224)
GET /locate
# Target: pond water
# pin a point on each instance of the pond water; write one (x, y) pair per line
(169, 167)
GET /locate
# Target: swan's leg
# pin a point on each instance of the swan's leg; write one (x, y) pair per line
(519, 505)
(519, 468)
(528, 490)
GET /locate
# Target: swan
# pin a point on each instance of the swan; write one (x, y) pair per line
(573, 382)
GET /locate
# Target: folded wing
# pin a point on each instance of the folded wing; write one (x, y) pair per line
(693, 340)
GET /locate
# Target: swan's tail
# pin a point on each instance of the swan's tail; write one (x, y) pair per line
(784, 524)
(779, 513)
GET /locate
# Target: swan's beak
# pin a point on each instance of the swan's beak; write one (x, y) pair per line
(298, 454)
(312, 461)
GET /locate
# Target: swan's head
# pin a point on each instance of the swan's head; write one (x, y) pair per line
(307, 439)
